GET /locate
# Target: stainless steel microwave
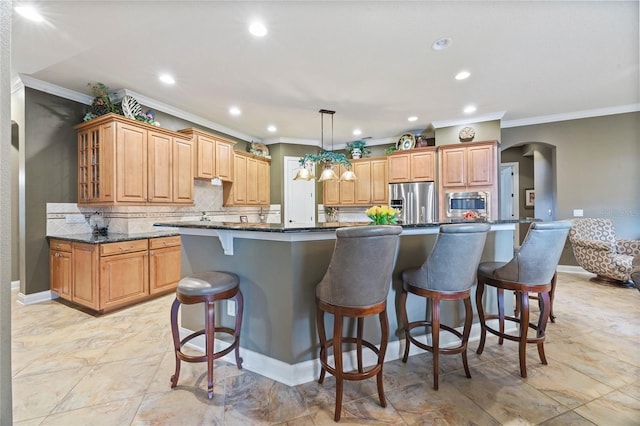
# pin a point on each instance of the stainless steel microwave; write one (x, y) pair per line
(458, 203)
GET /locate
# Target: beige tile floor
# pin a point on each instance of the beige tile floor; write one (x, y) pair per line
(70, 368)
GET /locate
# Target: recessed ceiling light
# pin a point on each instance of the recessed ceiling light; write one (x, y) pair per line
(469, 109)
(167, 79)
(357, 132)
(462, 75)
(442, 43)
(272, 128)
(412, 118)
(30, 13)
(258, 29)
(235, 111)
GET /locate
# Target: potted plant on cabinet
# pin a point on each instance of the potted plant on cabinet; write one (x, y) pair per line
(358, 149)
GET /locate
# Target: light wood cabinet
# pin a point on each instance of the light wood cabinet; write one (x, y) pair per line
(61, 268)
(417, 165)
(213, 155)
(251, 181)
(107, 276)
(472, 164)
(369, 188)
(123, 161)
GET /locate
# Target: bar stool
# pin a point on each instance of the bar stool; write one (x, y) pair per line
(356, 285)
(207, 288)
(447, 274)
(531, 270)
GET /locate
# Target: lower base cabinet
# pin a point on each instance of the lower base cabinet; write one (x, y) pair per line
(107, 276)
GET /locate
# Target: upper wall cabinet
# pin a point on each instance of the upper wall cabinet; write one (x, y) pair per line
(124, 161)
(468, 164)
(251, 181)
(370, 187)
(417, 165)
(214, 155)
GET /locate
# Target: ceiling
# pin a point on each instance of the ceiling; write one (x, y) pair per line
(370, 61)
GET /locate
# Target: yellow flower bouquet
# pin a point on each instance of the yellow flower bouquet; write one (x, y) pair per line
(382, 215)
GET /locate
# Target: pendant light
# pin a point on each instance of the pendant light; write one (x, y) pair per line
(327, 167)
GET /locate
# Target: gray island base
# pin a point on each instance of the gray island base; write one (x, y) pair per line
(279, 269)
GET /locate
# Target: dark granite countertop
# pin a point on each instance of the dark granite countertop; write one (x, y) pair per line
(319, 227)
(111, 238)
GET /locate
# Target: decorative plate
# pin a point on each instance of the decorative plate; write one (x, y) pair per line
(407, 141)
(260, 149)
(131, 107)
(467, 134)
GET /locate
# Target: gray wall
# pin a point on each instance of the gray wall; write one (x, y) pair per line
(486, 130)
(596, 168)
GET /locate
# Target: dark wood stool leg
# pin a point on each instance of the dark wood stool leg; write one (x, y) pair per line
(552, 295)
(337, 355)
(405, 321)
(239, 311)
(359, 343)
(384, 328)
(483, 329)
(545, 303)
(323, 343)
(209, 326)
(465, 333)
(501, 314)
(435, 340)
(523, 300)
(175, 332)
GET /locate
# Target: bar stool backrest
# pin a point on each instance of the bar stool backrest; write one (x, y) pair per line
(361, 267)
(536, 260)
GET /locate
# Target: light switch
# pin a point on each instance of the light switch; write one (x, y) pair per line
(231, 308)
(578, 213)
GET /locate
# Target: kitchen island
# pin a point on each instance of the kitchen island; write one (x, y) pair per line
(279, 268)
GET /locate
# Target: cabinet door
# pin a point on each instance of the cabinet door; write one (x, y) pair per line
(331, 193)
(480, 165)
(423, 166)
(60, 275)
(453, 167)
(160, 177)
(252, 181)
(84, 290)
(264, 183)
(399, 168)
(205, 163)
(347, 188)
(131, 164)
(379, 185)
(164, 269)
(95, 164)
(240, 180)
(182, 171)
(224, 160)
(362, 186)
(124, 279)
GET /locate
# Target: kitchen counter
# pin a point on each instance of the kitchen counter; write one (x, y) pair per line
(279, 267)
(111, 238)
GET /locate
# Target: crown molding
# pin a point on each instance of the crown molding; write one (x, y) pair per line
(53, 89)
(292, 141)
(470, 120)
(176, 112)
(577, 115)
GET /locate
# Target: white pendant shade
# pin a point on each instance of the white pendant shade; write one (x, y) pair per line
(328, 174)
(348, 175)
(304, 174)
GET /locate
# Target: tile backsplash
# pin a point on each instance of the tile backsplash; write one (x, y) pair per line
(133, 219)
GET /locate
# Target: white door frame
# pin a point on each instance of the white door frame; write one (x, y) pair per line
(294, 199)
(515, 195)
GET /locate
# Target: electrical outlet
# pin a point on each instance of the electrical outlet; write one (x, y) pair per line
(74, 218)
(231, 308)
(578, 213)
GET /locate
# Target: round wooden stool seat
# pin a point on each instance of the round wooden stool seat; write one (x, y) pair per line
(206, 287)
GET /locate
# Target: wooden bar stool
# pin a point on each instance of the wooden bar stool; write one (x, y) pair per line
(207, 288)
(356, 285)
(447, 274)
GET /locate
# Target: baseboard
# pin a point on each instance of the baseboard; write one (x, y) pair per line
(307, 371)
(30, 299)
(571, 269)
(15, 285)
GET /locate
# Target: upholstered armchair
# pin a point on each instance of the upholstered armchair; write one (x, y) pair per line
(597, 250)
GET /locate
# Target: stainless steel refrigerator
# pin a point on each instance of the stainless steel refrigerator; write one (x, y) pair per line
(416, 201)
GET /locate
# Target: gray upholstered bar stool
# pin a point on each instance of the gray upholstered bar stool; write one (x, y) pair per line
(206, 287)
(356, 285)
(447, 274)
(531, 270)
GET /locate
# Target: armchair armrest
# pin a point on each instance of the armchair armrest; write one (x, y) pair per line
(594, 244)
(628, 247)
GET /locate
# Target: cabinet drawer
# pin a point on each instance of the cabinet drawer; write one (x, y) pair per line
(109, 249)
(60, 245)
(162, 242)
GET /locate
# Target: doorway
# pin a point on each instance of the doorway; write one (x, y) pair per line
(510, 196)
(299, 196)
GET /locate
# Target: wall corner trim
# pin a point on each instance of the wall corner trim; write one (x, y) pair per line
(30, 299)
